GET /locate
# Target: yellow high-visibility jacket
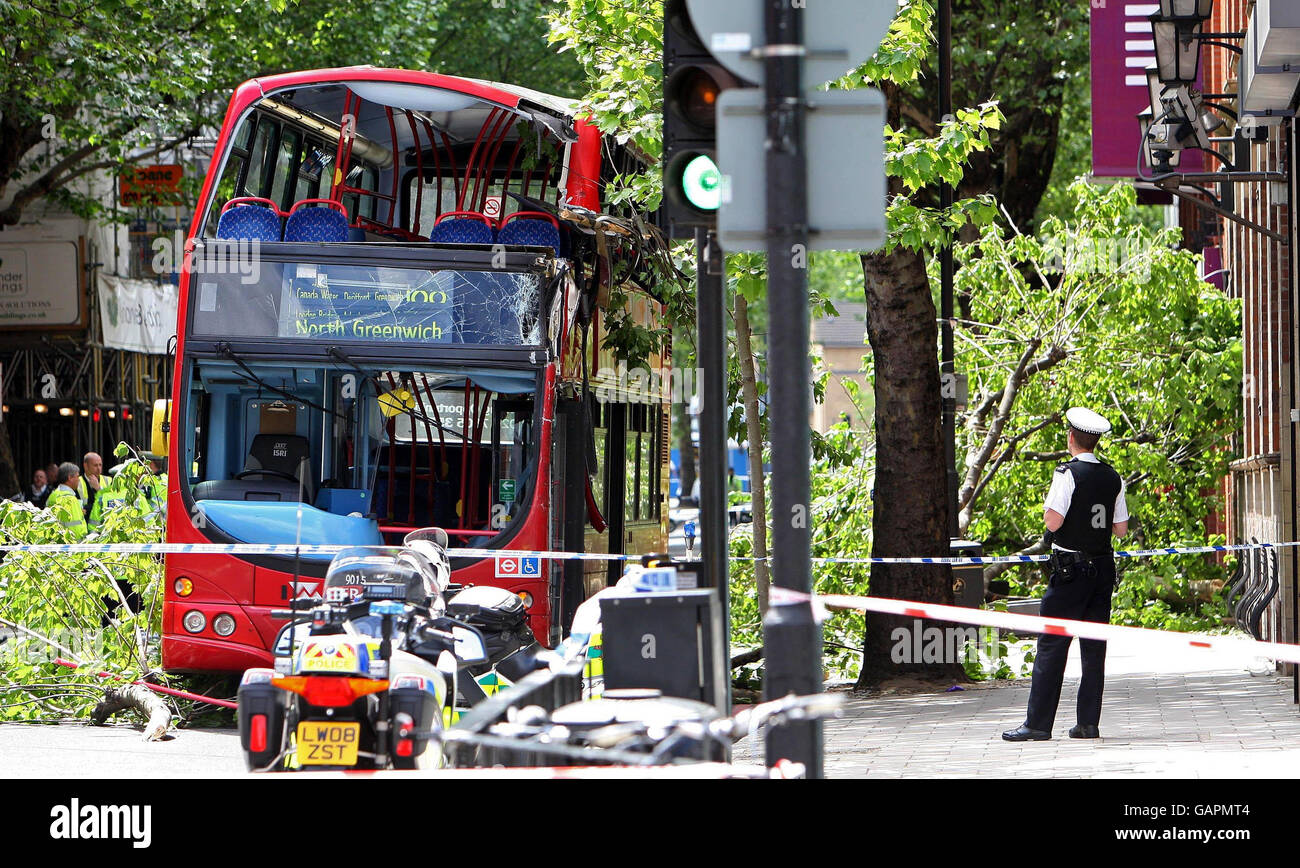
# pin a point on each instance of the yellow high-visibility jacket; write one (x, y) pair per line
(66, 506)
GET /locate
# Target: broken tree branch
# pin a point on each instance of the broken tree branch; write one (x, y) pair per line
(136, 697)
(746, 657)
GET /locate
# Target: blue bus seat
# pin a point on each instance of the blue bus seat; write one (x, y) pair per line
(463, 227)
(324, 220)
(249, 218)
(531, 229)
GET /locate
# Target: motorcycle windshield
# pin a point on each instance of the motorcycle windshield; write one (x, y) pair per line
(353, 569)
(371, 626)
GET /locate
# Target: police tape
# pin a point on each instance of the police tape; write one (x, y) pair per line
(292, 550)
(1020, 623)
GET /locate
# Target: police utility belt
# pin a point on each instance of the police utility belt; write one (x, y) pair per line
(1061, 561)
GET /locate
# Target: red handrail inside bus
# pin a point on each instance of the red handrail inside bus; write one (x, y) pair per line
(249, 200)
(329, 202)
(532, 215)
(467, 215)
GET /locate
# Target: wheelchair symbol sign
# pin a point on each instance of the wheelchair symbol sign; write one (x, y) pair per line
(519, 567)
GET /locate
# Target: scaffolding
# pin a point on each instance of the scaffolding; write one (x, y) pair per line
(66, 393)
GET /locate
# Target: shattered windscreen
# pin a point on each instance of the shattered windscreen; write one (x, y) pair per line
(369, 304)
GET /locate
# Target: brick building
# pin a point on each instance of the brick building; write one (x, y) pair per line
(1258, 269)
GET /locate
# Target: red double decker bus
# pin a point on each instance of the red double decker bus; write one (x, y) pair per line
(391, 316)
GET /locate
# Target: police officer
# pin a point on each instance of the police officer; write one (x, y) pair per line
(65, 504)
(111, 495)
(90, 480)
(1084, 507)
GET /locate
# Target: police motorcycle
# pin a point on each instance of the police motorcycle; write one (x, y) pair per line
(361, 679)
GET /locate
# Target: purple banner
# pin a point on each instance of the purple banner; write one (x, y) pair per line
(1121, 52)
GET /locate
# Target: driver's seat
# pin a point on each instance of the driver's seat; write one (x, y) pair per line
(286, 453)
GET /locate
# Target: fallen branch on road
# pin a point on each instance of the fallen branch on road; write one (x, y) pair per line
(137, 697)
(746, 657)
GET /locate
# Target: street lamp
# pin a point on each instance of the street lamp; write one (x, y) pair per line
(1195, 10)
(1178, 47)
(1180, 117)
(1156, 91)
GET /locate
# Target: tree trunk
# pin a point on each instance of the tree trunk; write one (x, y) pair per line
(911, 505)
(754, 433)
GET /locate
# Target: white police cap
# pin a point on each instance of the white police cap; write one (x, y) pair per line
(1082, 419)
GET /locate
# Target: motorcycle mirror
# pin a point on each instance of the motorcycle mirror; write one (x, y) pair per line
(281, 647)
(471, 647)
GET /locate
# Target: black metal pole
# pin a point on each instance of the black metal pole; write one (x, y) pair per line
(711, 323)
(791, 636)
(948, 366)
(1290, 155)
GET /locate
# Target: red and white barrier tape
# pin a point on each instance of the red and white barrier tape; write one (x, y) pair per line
(1039, 624)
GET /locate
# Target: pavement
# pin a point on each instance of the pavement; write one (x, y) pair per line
(81, 749)
(1183, 715)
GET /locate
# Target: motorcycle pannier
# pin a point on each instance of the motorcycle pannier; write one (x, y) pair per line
(499, 614)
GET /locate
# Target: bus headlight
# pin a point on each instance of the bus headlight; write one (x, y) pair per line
(184, 587)
(527, 599)
(223, 625)
(195, 621)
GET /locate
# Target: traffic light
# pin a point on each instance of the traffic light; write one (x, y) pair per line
(693, 81)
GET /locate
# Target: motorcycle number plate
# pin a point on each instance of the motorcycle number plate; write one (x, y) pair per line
(328, 744)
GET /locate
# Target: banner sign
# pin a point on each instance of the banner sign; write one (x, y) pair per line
(1122, 48)
(40, 285)
(149, 184)
(137, 315)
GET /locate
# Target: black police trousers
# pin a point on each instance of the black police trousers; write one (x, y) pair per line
(1080, 592)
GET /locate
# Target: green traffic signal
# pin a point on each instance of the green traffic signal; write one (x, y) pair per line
(702, 183)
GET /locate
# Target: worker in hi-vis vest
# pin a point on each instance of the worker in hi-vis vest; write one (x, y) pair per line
(112, 494)
(64, 503)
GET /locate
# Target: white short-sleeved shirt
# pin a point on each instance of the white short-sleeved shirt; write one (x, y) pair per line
(1062, 492)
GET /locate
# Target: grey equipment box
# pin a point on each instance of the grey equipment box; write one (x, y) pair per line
(967, 581)
(669, 640)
